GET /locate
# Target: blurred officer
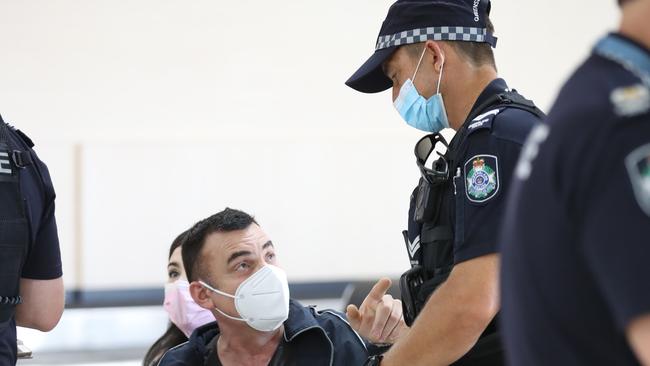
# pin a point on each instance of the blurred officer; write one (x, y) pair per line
(31, 287)
(576, 262)
(437, 57)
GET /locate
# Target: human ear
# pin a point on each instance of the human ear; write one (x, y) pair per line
(438, 54)
(200, 295)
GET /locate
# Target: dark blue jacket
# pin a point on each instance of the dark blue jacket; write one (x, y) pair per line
(315, 338)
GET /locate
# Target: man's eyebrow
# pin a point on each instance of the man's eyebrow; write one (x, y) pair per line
(268, 244)
(236, 255)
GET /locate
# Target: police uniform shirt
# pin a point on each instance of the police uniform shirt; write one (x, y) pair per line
(576, 254)
(43, 260)
(487, 157)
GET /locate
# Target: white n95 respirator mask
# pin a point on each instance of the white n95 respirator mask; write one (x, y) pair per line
(262, 300)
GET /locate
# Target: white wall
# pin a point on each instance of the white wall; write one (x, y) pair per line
(179, 108)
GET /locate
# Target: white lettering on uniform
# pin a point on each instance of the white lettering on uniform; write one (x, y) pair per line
(487, 114)
(5, 168)
(475, 8)
(477, 124)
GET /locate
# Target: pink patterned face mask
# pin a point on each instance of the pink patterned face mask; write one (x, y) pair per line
(183, 311)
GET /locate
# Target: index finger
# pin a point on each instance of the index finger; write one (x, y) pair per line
(379, 289)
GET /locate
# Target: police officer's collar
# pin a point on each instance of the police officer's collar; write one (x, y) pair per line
(623, 50)
(496, 86)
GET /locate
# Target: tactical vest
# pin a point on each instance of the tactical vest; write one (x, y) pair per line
(14, 226)
(432, 256)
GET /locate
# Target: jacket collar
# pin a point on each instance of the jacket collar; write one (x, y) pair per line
(300, 319)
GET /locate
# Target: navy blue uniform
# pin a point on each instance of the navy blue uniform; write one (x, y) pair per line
(486, 151)
(42, 260)
(491, 145)
(575, 242)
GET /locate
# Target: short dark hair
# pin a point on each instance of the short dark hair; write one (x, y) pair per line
(224, 221)
(477, 53)
(180, 239)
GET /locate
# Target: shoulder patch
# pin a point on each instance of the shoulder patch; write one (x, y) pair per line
(638, 168)
(629, 101)
(481, 178)
(483, 121)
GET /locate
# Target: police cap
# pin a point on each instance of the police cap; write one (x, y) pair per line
(413, 21)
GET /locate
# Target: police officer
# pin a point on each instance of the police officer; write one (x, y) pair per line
(31, 287)
(576, 250)
(437, 57)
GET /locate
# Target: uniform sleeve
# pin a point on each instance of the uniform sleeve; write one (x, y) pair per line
(616, 226)
(44, 259)
(481, 189)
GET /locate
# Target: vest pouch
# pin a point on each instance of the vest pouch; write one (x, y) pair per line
(437, 257)
(428, 201)
(14, 236)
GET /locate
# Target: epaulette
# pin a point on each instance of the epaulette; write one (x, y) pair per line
(483, 121)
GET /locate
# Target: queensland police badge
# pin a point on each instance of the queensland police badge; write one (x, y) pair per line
(638, 167)
(481, 178)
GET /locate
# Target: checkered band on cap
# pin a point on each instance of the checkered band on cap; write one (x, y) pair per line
(469, 34)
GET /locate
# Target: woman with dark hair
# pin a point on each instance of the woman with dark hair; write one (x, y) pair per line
(184, 314)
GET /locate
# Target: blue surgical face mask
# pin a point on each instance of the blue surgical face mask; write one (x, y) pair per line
(424, 114)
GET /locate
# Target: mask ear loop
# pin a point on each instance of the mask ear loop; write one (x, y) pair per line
(418, 67)
(223, 294)
(419, 62)
(440, 76)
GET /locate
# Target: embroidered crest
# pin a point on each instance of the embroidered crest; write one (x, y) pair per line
(638, 167)
(481, 178)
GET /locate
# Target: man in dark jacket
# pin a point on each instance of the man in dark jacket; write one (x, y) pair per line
(233, 270)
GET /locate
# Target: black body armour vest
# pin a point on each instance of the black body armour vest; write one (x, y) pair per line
(430, 236)
(14, 227)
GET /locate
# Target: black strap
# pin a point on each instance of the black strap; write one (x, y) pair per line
(20, 158)
(508, 99)
(438, 233)
(4, 133)
(25, 138)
